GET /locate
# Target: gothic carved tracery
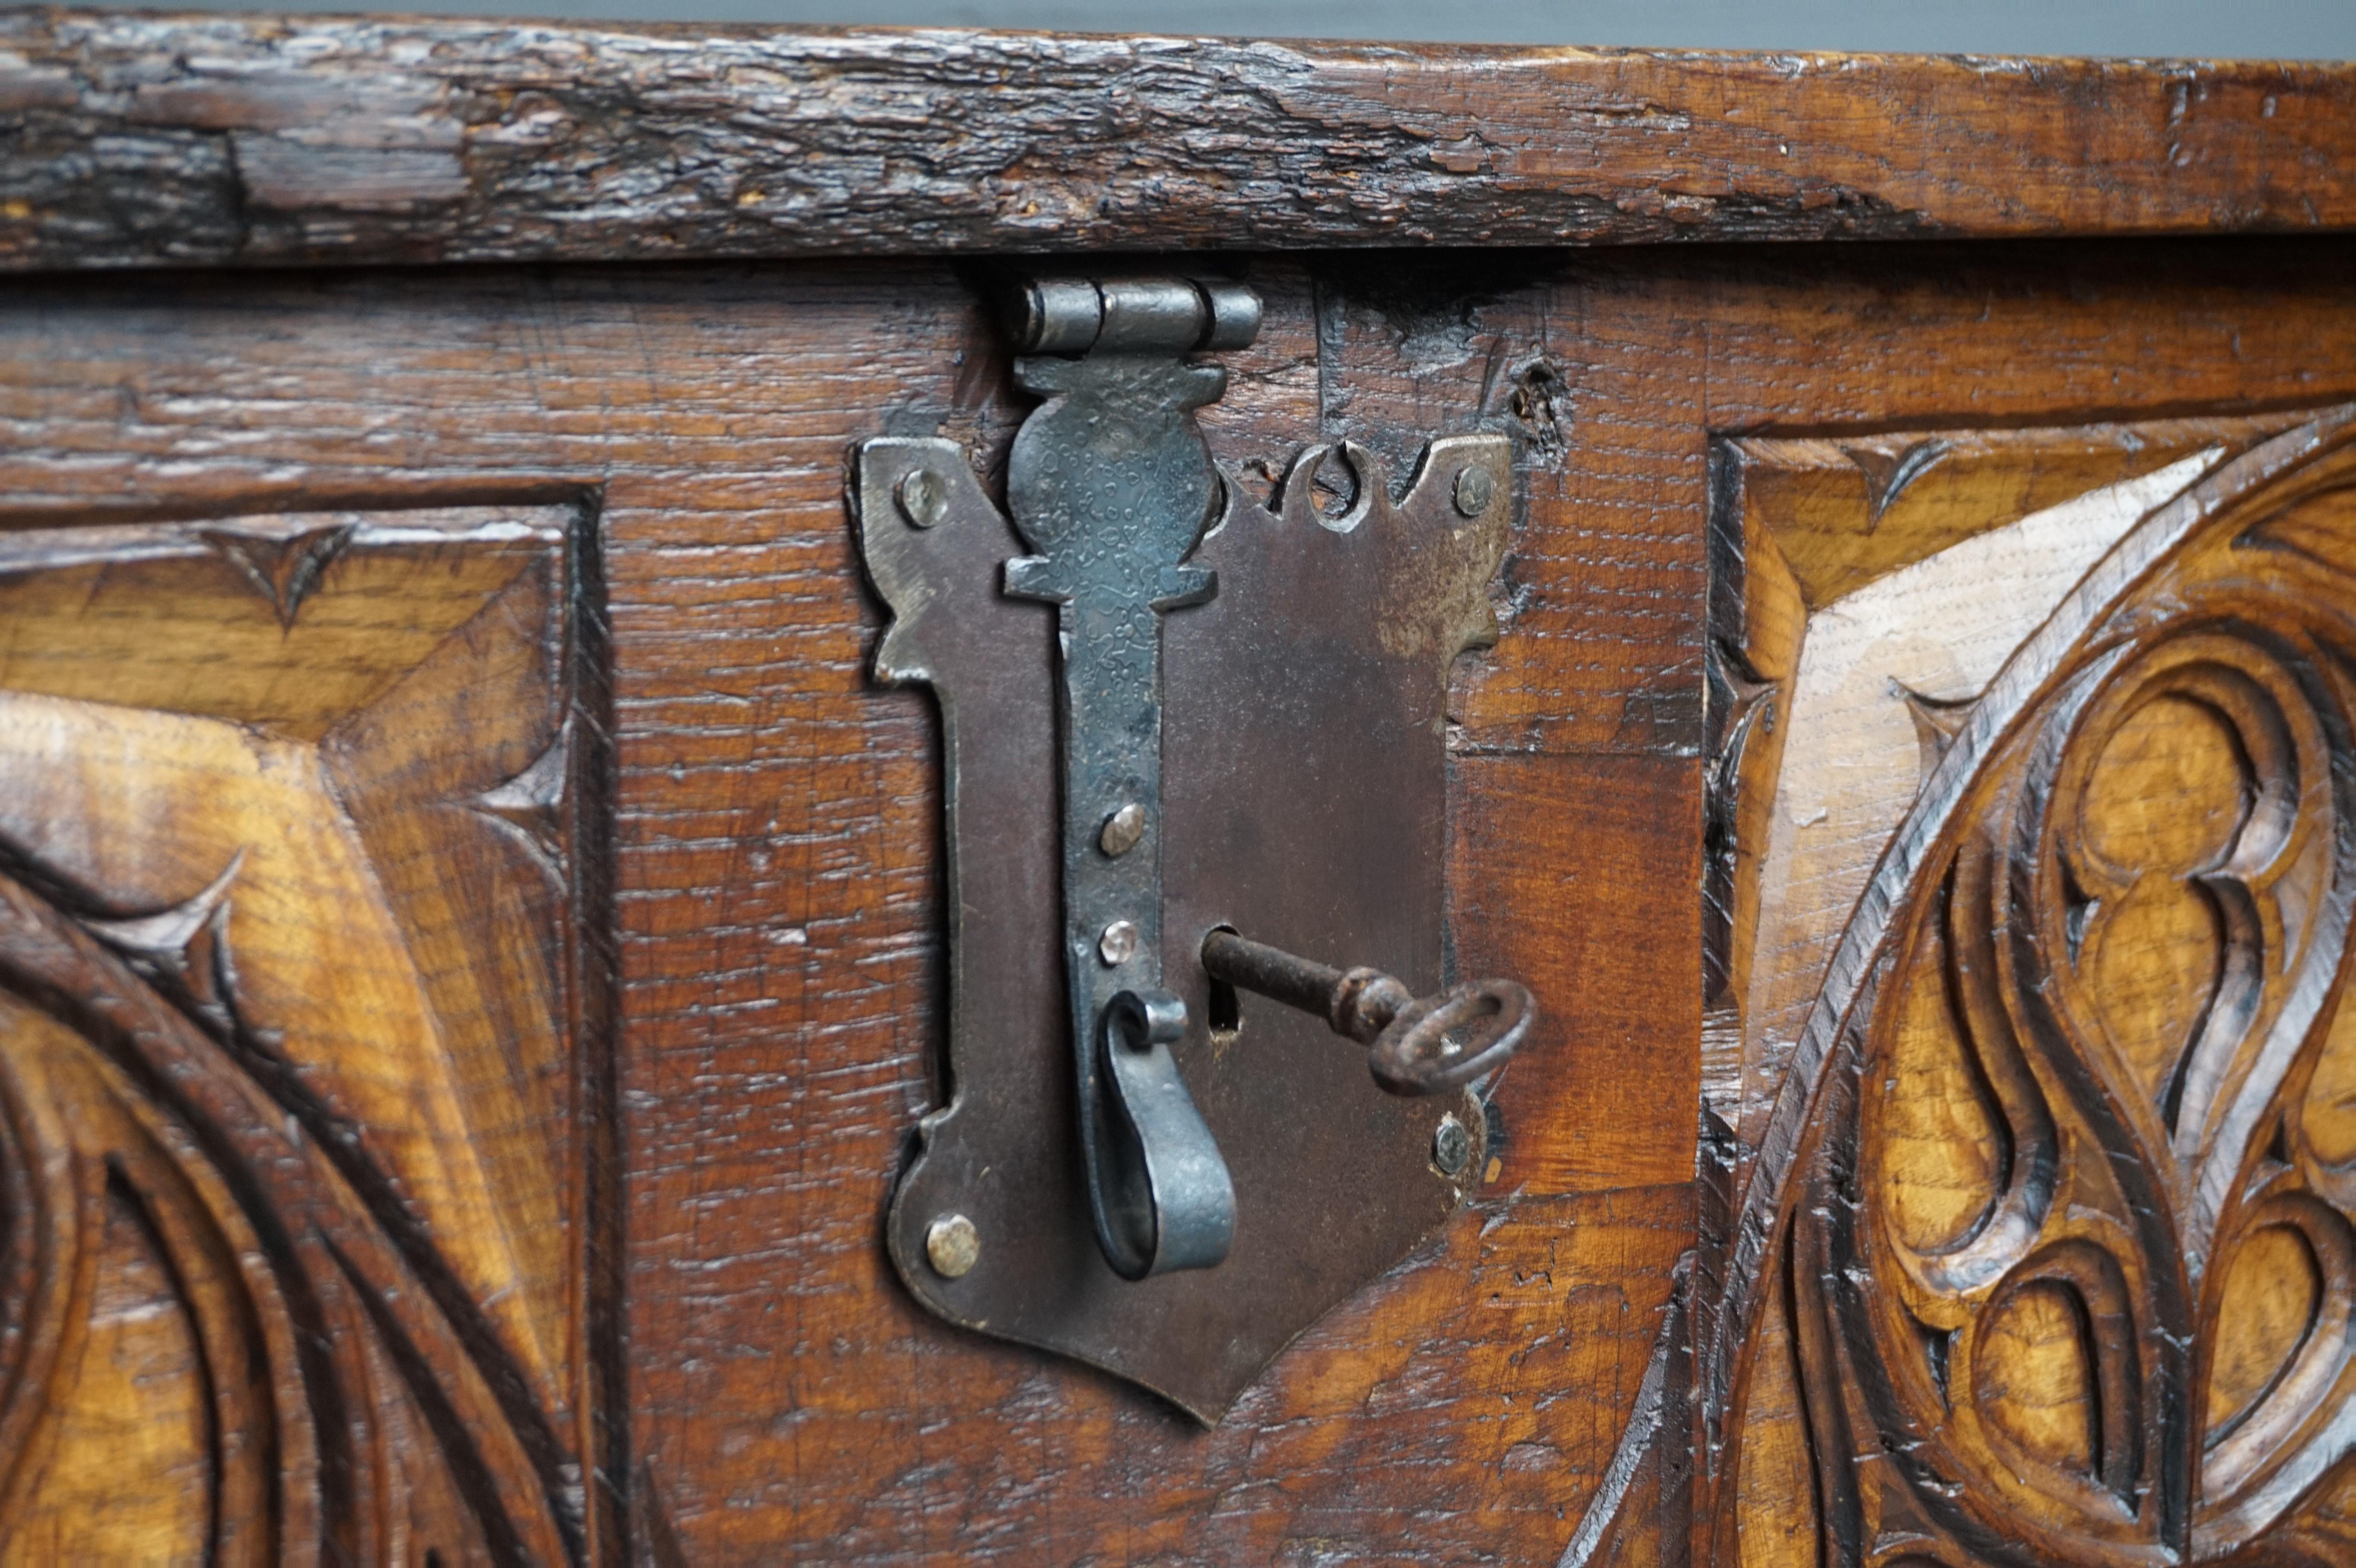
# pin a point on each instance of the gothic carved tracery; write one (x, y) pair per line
(2044, 1158)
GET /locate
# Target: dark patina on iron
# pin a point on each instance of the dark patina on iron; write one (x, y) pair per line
(1111, 483)
(1166, 710)
(1416, 1046)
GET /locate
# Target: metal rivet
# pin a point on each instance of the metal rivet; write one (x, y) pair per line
(1451, 1146)
(1475, 488)
(1119, 944)
(1122, 829)
(952, 1246)
(925, 500)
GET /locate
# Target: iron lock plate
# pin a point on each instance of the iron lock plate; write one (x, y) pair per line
(1301, 788)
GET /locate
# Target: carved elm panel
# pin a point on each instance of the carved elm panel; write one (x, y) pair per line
(295, 1032)
(2033, 851)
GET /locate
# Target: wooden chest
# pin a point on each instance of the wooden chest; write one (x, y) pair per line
(484, 933)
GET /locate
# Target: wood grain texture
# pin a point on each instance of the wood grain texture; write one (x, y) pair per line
(295, 1173)
(777, 874)
(777, 902)
(2040, 1260)
(139, 141)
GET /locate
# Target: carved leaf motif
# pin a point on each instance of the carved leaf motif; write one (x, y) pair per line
(531, 804)
(282, 567)
(1890, 471)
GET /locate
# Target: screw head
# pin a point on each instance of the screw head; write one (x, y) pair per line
(1122, 830)
(1475, 488)
(1117, 945)
(952, 1246)
(1451, 1146)
(924, 497)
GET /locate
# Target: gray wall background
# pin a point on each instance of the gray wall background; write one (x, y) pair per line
(2287, 29)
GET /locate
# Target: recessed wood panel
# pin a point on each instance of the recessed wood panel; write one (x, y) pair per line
(296, 1059)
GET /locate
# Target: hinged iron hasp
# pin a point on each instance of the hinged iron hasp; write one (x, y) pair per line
(1178, 725)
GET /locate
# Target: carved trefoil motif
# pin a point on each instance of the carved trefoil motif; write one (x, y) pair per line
(2034, 846)
(299, 1028)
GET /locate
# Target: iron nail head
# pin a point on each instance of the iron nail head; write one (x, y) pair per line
(1451, 1146)
(1475, 488)
(923, 499)
(952, 1246)
(1117, 945)
(1122, 829)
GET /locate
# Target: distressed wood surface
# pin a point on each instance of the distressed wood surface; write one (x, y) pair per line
(140, 141)
(777, 877)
